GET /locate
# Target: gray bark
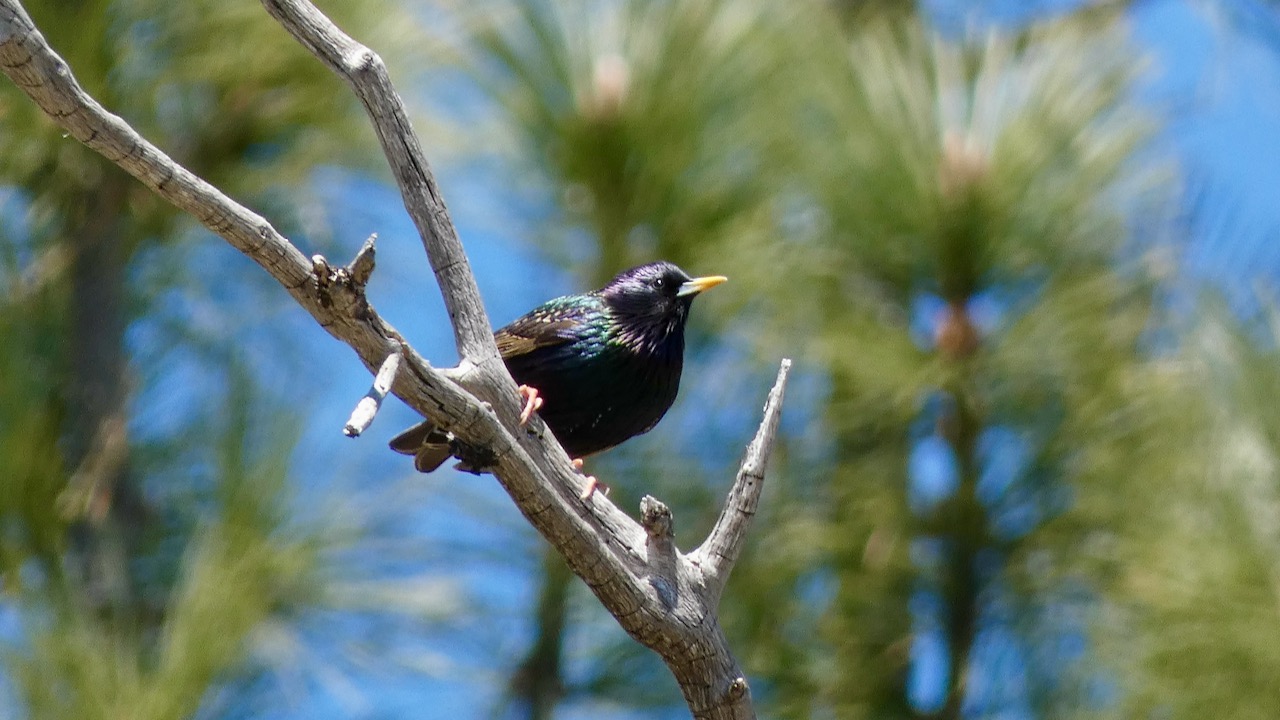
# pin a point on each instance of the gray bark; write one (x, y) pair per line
(665, 599)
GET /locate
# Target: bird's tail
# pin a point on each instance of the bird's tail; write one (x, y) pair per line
(428, 444)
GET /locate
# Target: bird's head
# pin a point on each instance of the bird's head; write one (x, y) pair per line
(653, 300)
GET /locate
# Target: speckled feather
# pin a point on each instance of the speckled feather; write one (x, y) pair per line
(604, 374)
(606, 363)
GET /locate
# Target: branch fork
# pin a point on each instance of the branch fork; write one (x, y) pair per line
(665, 599)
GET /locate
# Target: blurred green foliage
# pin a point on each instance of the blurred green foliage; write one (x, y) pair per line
(632, 113)
(243, 564)
(1192, 566)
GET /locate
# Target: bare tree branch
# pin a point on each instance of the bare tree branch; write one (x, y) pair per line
(365, 72)
(723, 545)
(664, 599)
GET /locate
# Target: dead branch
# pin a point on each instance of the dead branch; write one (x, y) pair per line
(661, 597)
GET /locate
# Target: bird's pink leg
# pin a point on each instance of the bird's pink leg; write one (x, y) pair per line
(592, 482)
(532, 401)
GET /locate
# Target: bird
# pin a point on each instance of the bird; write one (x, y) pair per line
(599, 367)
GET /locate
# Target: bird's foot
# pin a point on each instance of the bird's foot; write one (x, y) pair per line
(592, 483)
(532, 402)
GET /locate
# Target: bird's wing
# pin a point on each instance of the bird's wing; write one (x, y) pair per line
(554, 323)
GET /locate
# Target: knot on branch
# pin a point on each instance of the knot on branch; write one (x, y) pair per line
(362, 61)
(737, 690)
(656, 519)
(321, 271)
(342, 288)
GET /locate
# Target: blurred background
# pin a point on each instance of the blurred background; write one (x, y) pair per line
(1024, 254)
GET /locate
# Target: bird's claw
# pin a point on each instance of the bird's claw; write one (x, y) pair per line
(592, 483)
(532, 402)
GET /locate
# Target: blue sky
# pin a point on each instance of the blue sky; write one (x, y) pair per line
(1215, 76)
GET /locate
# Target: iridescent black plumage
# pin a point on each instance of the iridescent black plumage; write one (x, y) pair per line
(606, 364)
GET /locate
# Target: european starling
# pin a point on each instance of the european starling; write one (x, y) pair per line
(599, 368)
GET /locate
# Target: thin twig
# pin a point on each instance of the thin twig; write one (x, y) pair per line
(361, 266)
(369, 405)
(720, 550)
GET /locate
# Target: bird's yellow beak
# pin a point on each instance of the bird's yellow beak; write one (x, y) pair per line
(697, 285)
